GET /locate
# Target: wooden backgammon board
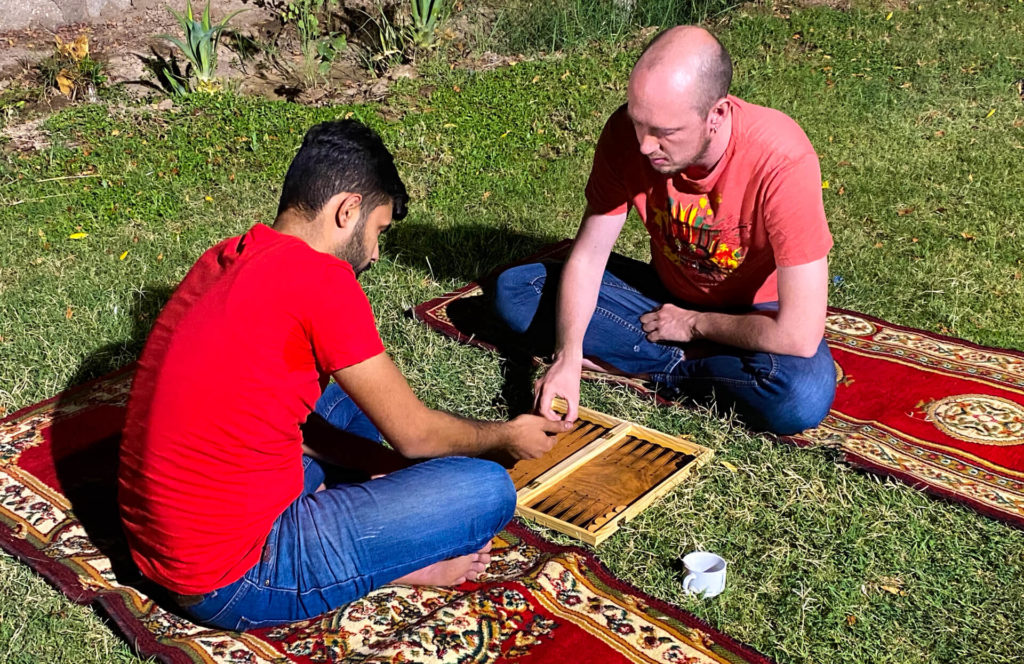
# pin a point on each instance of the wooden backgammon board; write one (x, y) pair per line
(602, 472)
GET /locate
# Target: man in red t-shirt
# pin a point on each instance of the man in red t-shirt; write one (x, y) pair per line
(732, 306)
(227, 492)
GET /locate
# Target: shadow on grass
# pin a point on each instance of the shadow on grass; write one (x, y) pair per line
(462, 253)
(84, 446)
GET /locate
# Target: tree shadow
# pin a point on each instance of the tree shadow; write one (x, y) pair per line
(478, 253)
(85, 444)
(464, 252)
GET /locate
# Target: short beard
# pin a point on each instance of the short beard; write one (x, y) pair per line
(354, 252)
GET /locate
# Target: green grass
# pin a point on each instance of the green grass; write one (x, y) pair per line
(923, 200)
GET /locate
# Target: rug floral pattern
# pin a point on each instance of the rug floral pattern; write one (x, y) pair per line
(942, 414)
(537, 602)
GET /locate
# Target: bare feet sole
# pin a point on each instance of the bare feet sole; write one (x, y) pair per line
(450, 572)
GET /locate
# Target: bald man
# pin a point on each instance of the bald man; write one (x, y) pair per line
(731, 307)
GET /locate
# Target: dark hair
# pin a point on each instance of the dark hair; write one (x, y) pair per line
(337, 156)
(715, 73)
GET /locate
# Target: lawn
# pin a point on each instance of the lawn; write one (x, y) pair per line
(920, 132)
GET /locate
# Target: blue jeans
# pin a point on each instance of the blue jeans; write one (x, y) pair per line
(331, 547)
(783, 394)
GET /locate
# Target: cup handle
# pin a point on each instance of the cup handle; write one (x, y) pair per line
(687, 581)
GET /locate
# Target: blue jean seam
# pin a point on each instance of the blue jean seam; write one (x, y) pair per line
(231, 602)
(617, 283)
(334, 404)
(618, 319)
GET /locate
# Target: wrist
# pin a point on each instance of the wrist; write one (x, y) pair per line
(568, 356)
(698, 330)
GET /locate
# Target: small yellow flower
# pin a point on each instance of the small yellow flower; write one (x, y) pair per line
(208, 199)
(78, 236)
(824, 184)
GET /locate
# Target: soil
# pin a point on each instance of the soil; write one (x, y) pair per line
(261, 56)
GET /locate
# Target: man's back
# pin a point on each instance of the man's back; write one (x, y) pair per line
(233, 366)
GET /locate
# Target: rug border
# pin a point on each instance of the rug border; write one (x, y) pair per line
(418, 313)
(863, 464)
(594, 564)
(112, 605)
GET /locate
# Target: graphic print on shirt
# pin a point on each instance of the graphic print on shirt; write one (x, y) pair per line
(691, 239)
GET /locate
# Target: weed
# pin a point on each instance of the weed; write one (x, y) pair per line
(201, 38)
(426, 16)
(71, 70)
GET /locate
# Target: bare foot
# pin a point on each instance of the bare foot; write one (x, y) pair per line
(450, 572)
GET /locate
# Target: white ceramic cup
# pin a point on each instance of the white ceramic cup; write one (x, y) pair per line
(706, 573)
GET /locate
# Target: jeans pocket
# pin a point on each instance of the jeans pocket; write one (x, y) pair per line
(267, 566)
(245, 624)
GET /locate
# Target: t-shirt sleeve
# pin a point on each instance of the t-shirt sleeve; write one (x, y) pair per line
(340, 324)
(795, 215)
(607, 191)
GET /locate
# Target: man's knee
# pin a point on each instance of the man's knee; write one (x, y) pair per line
(517, 295)
(804, 398)
(488, 488)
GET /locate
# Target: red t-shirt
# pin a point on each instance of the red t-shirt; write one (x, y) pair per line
(716, 241)
(212, 452)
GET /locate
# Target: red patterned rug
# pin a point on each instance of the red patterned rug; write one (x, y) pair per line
(942, 414)
(537, 603)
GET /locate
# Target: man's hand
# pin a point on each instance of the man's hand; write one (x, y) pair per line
(531, 436)
(670, 323)
(561, 380)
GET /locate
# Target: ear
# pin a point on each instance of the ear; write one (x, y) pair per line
(345, 209)
(719, 113)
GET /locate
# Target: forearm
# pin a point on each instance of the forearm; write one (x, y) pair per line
(577, 299)
(444, 434)
(757, 331)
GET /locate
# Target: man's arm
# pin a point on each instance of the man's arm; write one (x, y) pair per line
(577, 297)
(381, 391)
(796, 329)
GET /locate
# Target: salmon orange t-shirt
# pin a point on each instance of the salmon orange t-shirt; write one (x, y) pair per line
(212, 452)
(716, 241)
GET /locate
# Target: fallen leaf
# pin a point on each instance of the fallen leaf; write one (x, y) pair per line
(967, 236)
(535, 79)
(64, 82)
(851, 620)
(879, 245)
(68, 313)
(728, 466)
(843, 163)
(940, 134)
(116, 132)
(486, 195)
(79, 48)
(565, 75)
(906, 85)
(78, 236)
(842, 190)
(913, 239)
(159, 257)
(124, 255)
(893, 590)
(456, 88)
(902, 212)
